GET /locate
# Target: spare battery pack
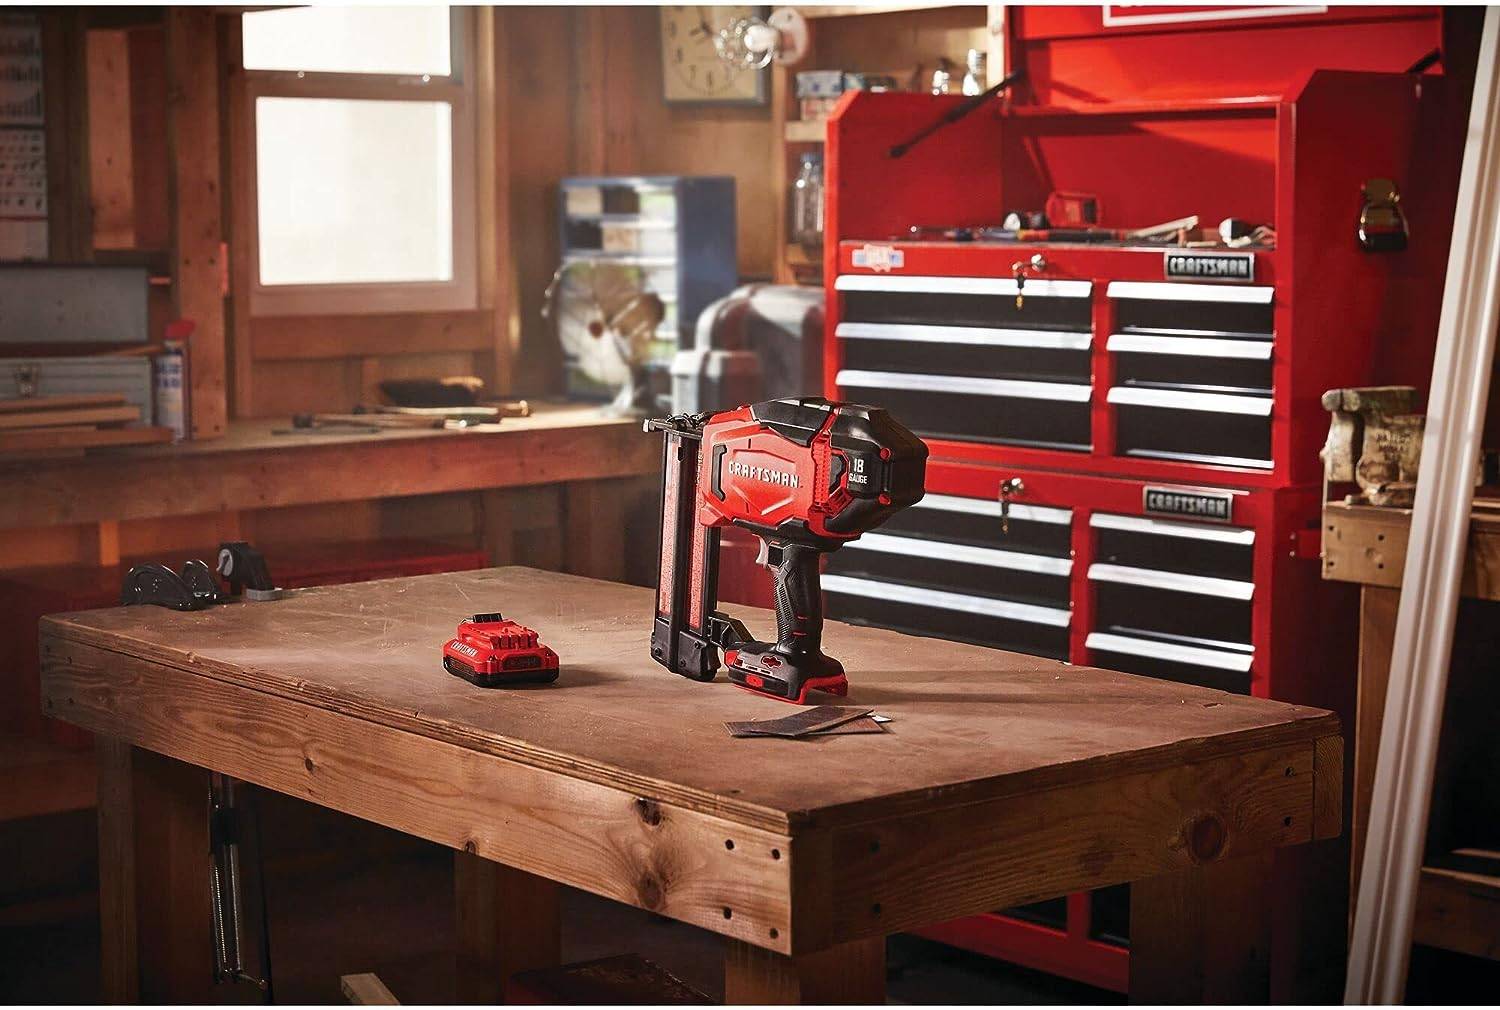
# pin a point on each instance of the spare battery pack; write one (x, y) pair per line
(492, 652)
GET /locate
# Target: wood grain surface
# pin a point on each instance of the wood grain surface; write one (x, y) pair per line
(969, 724)
(252, 468)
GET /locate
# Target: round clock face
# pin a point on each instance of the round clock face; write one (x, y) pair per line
(691, 68)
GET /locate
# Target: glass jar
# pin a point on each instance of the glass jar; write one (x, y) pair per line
(807, 205)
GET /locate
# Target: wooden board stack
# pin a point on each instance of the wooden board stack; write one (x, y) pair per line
(68, 425)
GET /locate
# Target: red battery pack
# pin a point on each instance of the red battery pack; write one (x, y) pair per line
(493, 652)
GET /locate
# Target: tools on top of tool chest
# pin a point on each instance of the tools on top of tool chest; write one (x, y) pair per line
(491, 651)
(195, 587)
(805, 476)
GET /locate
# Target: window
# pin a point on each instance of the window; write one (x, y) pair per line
(363, 125)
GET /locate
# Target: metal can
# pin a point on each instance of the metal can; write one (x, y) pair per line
(171, 388)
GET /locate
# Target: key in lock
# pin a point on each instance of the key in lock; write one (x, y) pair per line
(1009, 488)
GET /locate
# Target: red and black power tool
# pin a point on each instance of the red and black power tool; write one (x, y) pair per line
(804, 475)
(493, 652)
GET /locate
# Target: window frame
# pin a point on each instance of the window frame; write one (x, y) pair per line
(368, 298)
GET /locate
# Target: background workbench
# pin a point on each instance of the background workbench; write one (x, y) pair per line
(1458, 903)
(1004, 778)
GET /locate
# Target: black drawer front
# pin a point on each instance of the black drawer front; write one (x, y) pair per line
(1010, 420)
(1194, 373)
(977, 521)
(1192, 555)
(1232, 681)
(961, 309)
(979, 629)
(1125, 608)
(1193, 435)
(1047, 364)
(1042, 589)
(1152, 315)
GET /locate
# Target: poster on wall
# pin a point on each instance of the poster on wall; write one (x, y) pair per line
(1131, 15)
(23, 140)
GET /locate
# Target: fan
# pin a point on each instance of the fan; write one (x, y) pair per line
(605, 323)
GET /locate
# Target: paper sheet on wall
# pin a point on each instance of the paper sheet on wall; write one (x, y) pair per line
(23, 140)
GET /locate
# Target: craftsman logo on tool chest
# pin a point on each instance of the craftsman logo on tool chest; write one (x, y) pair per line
(1187, 266)
(764, 474)
(1217, 506)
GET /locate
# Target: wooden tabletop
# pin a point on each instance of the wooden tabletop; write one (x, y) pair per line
(253, 467)
(1051, 775)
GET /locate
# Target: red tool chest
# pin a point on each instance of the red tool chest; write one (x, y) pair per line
(1125, 464)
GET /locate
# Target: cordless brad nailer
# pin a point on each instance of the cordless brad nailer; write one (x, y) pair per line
(805, 476)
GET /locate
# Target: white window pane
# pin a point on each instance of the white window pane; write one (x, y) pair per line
(352, 40)
(354, 191)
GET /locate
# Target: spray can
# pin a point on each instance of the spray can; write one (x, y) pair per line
(171, 373)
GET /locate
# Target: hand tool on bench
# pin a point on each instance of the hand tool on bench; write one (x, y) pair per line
(805, 476)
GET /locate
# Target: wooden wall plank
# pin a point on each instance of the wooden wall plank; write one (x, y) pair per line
(111, 160)
(65, 96)
(192, 54)
(301, 338)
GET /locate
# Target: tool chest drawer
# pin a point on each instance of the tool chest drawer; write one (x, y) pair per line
(1051, 415)
(956, 357)
(966, 301)
(945, 568)
(1173, 599)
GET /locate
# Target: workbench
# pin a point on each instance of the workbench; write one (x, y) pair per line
(1457, 909)
(1001, 779)
(252, 467)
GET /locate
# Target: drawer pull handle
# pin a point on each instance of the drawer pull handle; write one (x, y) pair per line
(1061, 391)
(981, 507)
(1001, 286)
(1160, 291)
(971, 335)
(1165, 527)
(1190, 347)
(940, 550)
(940, 600)
(1173, 399)
(1212, 658)
(1177, 582)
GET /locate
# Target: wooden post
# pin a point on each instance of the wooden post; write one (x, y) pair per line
(1203, 935)
(508, 921)
(1377, 629)
(594, 529)
(156, 934)
(192, 50)
(849, 973)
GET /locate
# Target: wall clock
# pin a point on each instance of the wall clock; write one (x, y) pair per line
(691, 70)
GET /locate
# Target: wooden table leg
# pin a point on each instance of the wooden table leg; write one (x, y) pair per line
(156, 933)
(848, 973)
(1203, 935)
(508, 921)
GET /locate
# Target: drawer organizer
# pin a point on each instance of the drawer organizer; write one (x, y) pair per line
(954, 357)
(1192, 372)
(943, 568)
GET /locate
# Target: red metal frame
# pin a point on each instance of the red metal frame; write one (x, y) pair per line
(1246, 125)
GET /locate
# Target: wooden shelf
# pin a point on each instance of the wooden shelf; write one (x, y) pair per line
(43, 778)
(806, 131)
(860, 10)
(1458, 911)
